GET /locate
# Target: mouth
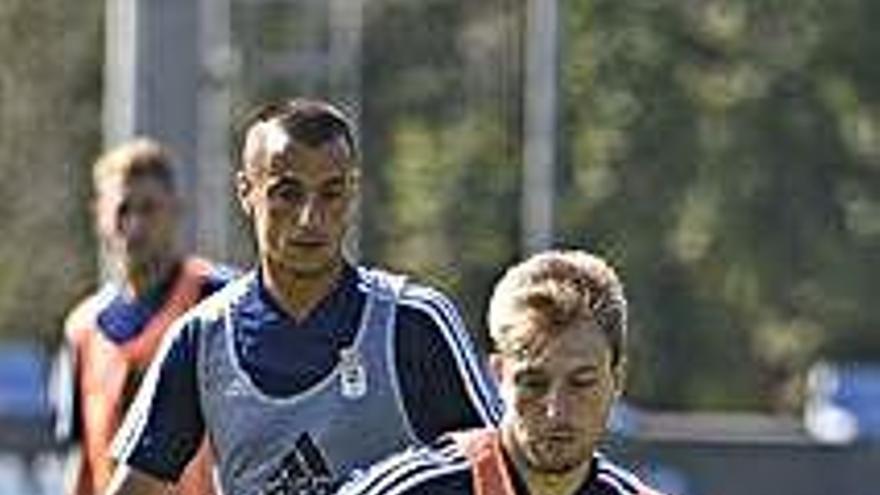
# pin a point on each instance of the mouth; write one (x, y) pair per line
(308, 242)
(565, 435)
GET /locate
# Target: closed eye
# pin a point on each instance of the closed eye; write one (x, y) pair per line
(532, 382)
(584, 378)
(334, 190)
(584, 381)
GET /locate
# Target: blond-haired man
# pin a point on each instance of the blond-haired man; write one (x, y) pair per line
(113, 334)
(558, 321)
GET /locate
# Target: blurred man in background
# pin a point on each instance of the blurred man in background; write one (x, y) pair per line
(114, 333)
(558, 321)
(310, 366)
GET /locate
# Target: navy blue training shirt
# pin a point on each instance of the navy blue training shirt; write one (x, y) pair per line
(122, 318)
(442, 380)
(443, 469)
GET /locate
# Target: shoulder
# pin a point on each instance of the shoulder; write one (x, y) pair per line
(436, 351)
(428, 300)
(619, 481)
(182, 339)
(82, 317)
(428, 323)
(215, 306)
(427, 310)
(418, 305)
(213, 275)
(438, 469)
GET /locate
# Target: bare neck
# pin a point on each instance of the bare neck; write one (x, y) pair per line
(138, 280)
(542, 482)
(299, 293)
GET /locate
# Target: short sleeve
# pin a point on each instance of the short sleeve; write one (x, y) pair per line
(164, 425)
(444, 381)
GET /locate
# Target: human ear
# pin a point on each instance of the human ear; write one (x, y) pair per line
(496, 364)
(354, 181)
(243, 187)
(352, 188)
(352, 195)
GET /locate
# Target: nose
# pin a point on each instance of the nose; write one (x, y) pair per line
(308, 212)
(558, 404)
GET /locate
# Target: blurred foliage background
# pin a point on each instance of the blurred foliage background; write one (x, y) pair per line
(724, 155)
(50, 123)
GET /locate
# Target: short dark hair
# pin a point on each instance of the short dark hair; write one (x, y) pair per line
(305, 120)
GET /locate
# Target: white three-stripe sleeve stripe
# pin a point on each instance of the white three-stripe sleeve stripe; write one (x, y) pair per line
(624, 481)
(614, 482)
(403, 471)
(129, 434)
(381, 475)
(459, 332)
(423, 476)
(454, 333)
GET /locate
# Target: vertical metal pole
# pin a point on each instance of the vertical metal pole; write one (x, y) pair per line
(167, 84)
(214, 170)
(120, 89)
(151, 79)
(120, 58)
(120, 52)
(539, 160)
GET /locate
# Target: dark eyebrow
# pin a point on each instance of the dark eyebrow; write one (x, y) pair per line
(339, 179)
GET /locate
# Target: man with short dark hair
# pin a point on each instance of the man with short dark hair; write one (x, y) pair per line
(558, 321)
(114, 333)
(310, 366)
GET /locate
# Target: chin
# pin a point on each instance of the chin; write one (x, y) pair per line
(556, 466)
(315, 269)
(309, 273)
(557, 459)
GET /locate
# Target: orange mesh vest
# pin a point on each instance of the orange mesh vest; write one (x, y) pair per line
(482, 447)
(104, 375)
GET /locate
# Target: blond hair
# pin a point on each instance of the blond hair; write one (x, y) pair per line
(140, 157)
(559, 288)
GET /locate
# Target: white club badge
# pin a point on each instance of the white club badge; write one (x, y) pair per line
(353, 375)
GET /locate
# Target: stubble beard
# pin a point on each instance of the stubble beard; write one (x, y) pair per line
(554, 457)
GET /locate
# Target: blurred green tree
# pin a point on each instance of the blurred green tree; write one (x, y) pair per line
(50, 95)
(724, 154)
(441, 142)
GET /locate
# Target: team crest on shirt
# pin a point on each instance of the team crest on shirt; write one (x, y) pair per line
(352, 374)
(236, 388)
